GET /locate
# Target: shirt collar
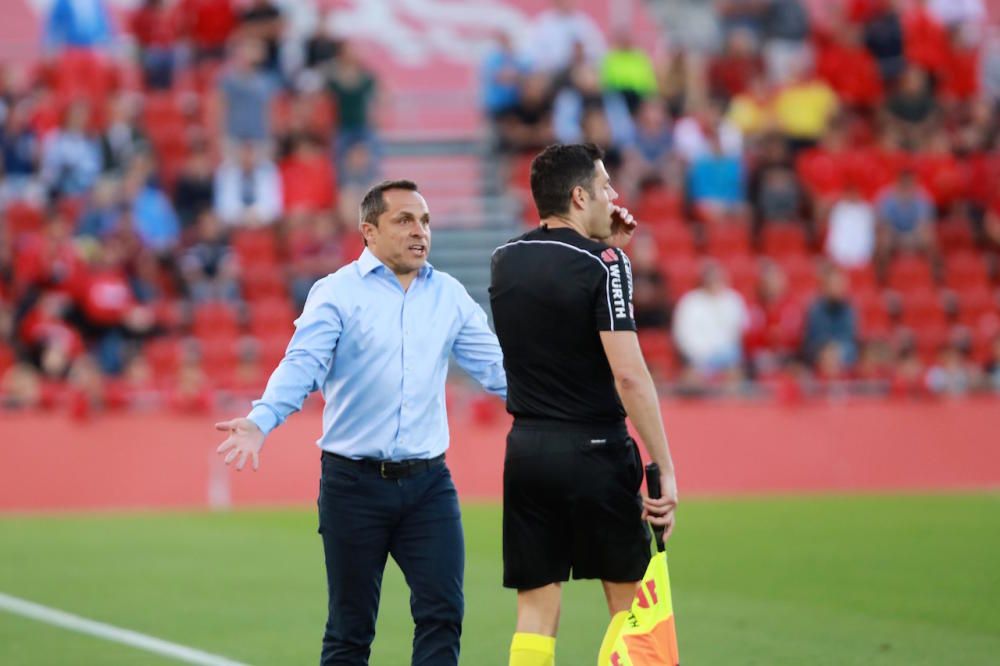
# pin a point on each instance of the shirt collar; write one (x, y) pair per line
(368, 262)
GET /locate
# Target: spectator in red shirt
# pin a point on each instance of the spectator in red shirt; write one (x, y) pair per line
(926, 39)
(48, 259)
(51, 342)
(155, 28)
(730, 73)
(960, 74)
(850, 68)
(208, 25)
(940, 171)
(109, 308)
(307, 178)
(774, 334)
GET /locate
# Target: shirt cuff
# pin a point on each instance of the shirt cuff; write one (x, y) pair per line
(264, 417)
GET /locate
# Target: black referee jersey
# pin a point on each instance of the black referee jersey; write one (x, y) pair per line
(552, 291)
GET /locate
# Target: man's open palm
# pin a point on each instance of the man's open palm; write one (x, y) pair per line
(245, 440)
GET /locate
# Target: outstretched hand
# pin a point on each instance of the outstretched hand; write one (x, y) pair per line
(245, 440)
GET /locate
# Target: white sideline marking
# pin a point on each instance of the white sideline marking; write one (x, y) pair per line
(108, 632)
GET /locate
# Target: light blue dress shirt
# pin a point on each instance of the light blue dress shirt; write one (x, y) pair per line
(380, 356)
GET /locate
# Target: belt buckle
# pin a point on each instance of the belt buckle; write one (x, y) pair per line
(391, 469)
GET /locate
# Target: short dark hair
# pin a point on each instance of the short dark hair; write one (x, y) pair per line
(373, 204)
(557, 170)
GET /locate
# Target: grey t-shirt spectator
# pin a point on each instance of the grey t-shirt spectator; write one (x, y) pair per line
(248, 105)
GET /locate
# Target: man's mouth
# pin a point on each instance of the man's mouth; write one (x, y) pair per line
(418, 249)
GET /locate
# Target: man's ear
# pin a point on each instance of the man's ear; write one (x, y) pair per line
(577, 197)
(367, 232)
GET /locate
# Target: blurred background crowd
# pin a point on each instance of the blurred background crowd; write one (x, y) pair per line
(817, 184)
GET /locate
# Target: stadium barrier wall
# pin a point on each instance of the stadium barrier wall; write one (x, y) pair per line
(128, 461)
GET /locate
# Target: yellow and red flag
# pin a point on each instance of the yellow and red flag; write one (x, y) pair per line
(645, 634)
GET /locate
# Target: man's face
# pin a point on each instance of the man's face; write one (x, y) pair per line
(598, 209)
(402, 238)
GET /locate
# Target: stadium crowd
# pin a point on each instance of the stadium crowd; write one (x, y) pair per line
(818, 198)
(817, 184)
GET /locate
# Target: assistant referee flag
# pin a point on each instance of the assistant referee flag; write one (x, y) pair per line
(645, 634)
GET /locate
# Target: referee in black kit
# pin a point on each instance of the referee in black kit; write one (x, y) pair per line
(562, 305)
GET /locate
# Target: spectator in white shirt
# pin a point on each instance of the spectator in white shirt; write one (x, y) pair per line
(709, 323)
(555, 32)
(954, 13)
(850, 241)
(248, 189)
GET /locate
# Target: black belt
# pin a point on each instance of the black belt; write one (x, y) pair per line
(390, 469)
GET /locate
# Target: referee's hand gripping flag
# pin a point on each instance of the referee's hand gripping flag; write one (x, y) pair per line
(645, 634)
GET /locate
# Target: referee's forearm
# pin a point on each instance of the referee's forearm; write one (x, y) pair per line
(638, 395)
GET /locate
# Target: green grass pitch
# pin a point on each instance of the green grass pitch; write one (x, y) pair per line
(863, 581)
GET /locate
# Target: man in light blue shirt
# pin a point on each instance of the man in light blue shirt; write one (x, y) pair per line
(375, 337)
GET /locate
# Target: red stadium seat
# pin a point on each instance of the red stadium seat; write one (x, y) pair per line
(216, 320)
(909, 273)
(955, 236)
(218, 358)
(681, 271)
(21, 217)
(271, 316)
(255, 246)
(725, 240)
(922, 310)
(658, 205)
(873, 317)
(780, 240)
(965, 271)
(977, 307)
(164, 356)
(862, 279)
(658, 350)
(802, 273)
(743, 272)
(673, 239)
(264, 282)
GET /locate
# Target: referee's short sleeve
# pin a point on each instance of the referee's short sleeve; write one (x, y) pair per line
(613, 308)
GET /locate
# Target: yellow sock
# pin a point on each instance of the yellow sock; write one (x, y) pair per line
(532, 650)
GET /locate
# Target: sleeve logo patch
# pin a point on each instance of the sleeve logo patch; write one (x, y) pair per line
(609, 256)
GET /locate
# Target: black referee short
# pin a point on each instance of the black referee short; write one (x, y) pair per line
(571, 503)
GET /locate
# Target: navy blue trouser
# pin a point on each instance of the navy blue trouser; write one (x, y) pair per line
(363, 518)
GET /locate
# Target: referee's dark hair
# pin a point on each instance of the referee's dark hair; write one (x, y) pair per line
(557, 170)
(373, 204)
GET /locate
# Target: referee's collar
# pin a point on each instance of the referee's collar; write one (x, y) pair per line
(368, 262)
